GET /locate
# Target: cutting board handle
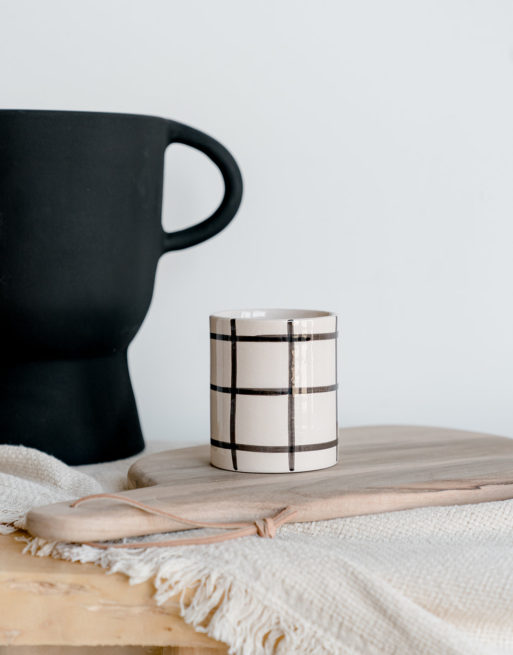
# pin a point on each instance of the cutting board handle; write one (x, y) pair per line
(265, 528)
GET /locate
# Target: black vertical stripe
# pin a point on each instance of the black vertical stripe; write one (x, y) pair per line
(336, 379)
(233, 402)
(292, 383)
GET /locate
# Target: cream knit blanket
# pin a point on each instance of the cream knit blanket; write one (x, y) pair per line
(434, 581)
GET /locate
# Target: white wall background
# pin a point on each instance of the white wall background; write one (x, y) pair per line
(376, 143)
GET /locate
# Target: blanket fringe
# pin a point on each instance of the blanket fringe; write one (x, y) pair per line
(12, 520)
(221, 607)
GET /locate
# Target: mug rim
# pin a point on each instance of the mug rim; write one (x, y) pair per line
(276, 314)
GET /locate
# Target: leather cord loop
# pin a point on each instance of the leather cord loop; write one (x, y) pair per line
(265, 528)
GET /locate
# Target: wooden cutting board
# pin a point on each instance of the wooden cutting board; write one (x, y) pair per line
(380, 469)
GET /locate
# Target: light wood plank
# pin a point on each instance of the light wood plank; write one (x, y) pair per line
(46, 601)
(185, 650)
(380, 469)
(107, 650)
(83, 650)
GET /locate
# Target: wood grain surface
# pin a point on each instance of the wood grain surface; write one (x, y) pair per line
(380, 469)
(45, 601)
(109, 650)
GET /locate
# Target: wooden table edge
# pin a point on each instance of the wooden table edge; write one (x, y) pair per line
(51, 602)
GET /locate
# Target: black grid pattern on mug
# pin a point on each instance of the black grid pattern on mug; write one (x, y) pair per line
(291, 391)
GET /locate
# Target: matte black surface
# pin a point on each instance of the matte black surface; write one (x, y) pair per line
(80, 239)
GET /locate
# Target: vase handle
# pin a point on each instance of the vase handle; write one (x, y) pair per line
(191, 236)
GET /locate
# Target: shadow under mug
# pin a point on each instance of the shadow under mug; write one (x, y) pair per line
(273, 390)
(80, 239)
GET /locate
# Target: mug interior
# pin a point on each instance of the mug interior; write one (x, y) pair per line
(272, 314)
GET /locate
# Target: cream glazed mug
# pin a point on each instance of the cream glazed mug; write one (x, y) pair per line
(273, 391)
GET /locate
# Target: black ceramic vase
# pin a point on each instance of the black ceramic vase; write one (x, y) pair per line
(80, 238)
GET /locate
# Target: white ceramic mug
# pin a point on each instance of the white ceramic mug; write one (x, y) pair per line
(273, 391)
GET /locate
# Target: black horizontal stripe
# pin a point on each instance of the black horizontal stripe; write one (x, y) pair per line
(274, 449)
(295, 391)
(270, 338)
